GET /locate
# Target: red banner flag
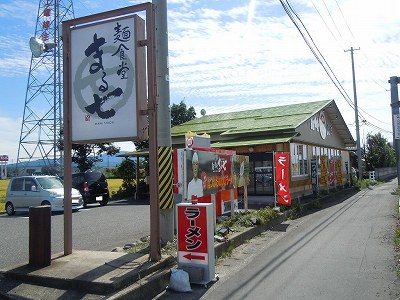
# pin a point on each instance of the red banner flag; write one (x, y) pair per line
(282, 177)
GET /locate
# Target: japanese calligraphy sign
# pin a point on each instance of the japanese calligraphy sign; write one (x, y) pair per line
(314, 175)
(196, 238)
(324, 170)
(282, 176)
(193, 230)
(107, 89)
(338, 166)
(331, 172)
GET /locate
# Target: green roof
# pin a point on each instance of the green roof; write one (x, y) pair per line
(279, 119)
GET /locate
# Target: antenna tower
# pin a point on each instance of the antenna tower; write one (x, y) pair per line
(42, 119)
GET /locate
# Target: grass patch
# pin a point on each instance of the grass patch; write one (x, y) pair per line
(249, 219)
(365, 183)
(227, 252)
(397, 246)
(396, 192)
(114, 185)
(3, 190)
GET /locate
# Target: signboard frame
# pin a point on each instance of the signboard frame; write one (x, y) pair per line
(150, 113)
(123, 85)
(196, 240)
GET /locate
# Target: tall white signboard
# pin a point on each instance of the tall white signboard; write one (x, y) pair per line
(104, 98)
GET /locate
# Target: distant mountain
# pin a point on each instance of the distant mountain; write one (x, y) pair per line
(106, 161)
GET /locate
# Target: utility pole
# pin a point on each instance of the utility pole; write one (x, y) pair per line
(394, 94)
(359, 158)
(165, 176)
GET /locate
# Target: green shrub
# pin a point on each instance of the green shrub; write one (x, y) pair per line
(249, 219)
(365, 183)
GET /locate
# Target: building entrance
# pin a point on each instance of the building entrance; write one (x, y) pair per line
(261, 174)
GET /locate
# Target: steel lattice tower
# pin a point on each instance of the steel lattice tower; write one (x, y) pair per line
(42, 119)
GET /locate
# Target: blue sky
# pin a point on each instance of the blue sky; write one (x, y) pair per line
(239, 54)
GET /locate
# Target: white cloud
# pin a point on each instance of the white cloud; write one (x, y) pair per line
(10, 134)
(232, 55)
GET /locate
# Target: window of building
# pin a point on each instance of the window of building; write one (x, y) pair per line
(298, 159)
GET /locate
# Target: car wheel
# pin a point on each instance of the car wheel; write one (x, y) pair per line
(45, 203)
(104, 202)
(10, 209)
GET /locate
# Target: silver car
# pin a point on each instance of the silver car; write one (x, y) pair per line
(26, 191)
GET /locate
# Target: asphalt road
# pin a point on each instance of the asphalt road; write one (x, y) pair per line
(94, 228)
(345, 251)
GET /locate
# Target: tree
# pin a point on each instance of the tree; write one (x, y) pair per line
(127, 171)
(378, 152)
(86, 155)
(179, 115)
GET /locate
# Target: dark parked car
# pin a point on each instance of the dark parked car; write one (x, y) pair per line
(93, 187)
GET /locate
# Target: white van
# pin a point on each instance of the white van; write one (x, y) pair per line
(26, 191)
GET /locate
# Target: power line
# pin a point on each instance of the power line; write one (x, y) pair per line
(320, 57)
(290, 12)
(345, 21)
(323, 20)
(333, 21)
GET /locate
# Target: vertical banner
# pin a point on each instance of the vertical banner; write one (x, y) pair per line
(332, 172)
(324, 171)
(314, 176)
(282, 174)
(339, 176)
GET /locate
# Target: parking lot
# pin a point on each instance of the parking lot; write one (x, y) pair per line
(93, 228)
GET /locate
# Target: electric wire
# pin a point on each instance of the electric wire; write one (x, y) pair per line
(326, 24)
(333, 21)
(382, 78)
(290, 12)
(345, 21)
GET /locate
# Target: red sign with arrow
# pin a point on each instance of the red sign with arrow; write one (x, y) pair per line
(190, 256)
(192, 231)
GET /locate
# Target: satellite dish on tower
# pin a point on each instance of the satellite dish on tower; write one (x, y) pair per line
(203, 112)
(38, 46)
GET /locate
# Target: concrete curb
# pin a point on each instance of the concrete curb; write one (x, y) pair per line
(145, 288)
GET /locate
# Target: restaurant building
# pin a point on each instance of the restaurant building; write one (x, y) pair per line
(314, 133)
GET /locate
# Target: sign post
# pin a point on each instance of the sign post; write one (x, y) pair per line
(109, 63)
(3, 166)
(196, 241)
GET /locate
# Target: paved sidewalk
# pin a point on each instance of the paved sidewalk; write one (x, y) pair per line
(90, 273)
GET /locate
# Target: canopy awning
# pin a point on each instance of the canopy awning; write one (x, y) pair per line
(134, 154)
(273, 139)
